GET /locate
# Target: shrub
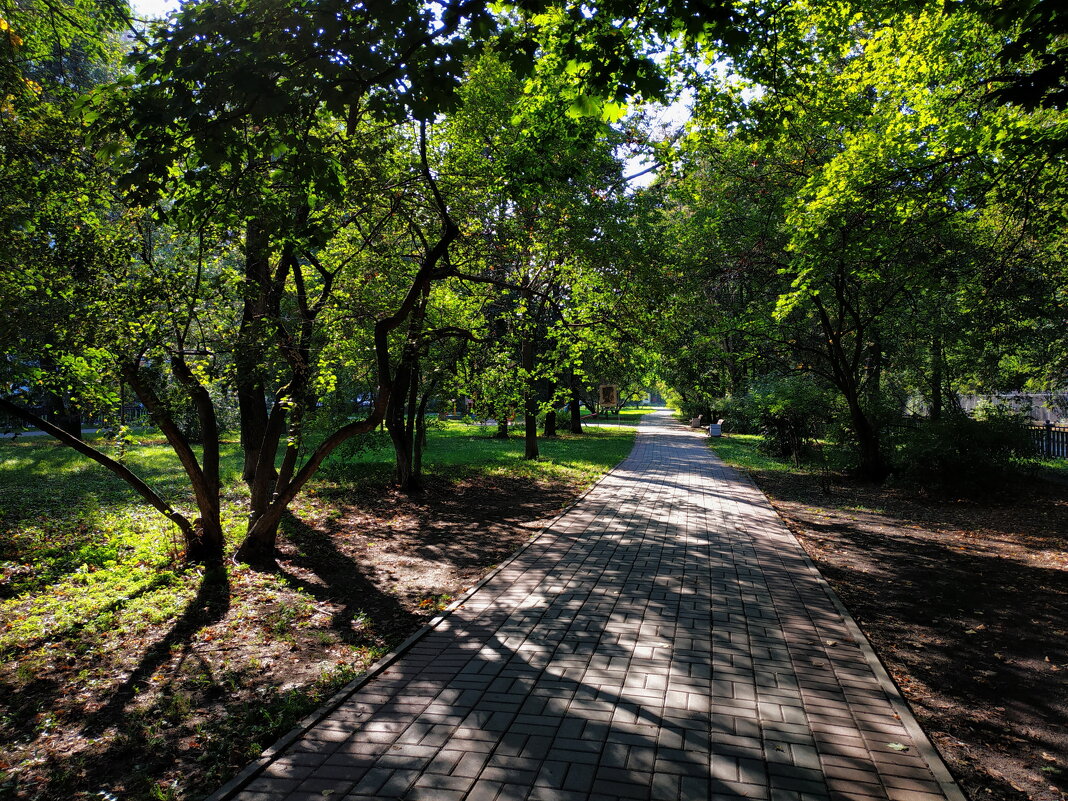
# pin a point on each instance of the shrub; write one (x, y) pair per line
(962, 454)
(790, 412)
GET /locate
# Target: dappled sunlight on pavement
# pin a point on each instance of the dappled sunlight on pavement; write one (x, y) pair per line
(664, 639)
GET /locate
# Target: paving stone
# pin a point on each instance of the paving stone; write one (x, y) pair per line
(666, 639)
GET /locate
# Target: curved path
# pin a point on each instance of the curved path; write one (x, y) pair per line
(664, 639)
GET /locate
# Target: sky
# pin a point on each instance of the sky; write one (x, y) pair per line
(154, 8)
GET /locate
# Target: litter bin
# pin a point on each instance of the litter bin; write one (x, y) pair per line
(715, 429)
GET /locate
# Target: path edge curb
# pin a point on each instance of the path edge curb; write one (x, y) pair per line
(272, 752)
(947, 783)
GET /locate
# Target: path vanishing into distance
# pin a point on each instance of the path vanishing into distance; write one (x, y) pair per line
(666, 638)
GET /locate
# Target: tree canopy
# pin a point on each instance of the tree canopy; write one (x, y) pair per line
(301, 220)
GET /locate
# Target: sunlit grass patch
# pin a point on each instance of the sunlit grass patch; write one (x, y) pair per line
(743, 451)
(457, 450)
(117, 659)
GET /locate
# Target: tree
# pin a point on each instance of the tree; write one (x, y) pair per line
(869, 183)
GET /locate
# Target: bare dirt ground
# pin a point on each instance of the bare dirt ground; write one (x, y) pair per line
(395, 559)
(967, 605)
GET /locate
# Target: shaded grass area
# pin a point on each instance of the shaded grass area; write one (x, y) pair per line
(125, 674)
(965, 601)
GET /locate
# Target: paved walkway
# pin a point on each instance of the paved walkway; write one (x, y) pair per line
(665, 639)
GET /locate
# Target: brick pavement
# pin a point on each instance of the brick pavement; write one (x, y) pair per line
(666, 639)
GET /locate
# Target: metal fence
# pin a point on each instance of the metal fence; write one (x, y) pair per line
(1042, 407)
(1052, 441)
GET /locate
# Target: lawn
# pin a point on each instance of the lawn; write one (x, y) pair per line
(125, 674)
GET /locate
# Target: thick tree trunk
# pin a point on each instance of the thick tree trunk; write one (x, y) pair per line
(206, 547)
(401, 410)
(530, 433)
(872, 465)
(397, 428)
(420, 432)
(575, 410)
(248, 356)
(502, 428)
(414, 481)
(263, 476)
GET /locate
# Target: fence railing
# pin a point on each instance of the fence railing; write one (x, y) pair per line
(1051, 440)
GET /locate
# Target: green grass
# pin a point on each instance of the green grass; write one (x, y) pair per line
(1054, 469)
(80, 551)
(629, 416)
(458, 450)
(742, 450)
(90, 575)
(69, 524)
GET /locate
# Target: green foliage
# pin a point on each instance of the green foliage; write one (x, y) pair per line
(957, 453)
(791, 412)
(838, 214)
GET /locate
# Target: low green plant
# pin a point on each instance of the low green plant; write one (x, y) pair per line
(963, 454)
(789, 411)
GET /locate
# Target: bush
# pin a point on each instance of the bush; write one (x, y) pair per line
(355, 450)
(962, 454)
(740, 415)
(790, 413)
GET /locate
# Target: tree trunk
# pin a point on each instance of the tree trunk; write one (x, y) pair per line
(403, 382)
(204, 542)
(248, 356)
(420, 432)
(575, 409)
(502, 428)
(263, 476)
(550, 423)
(209, 546)
(401, 410)
(530, 433)
(936, 376)
(872, 466)
(530, 402)
(206, 547)
(414, 482)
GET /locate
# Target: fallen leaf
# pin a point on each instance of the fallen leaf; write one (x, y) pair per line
(897, 746)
